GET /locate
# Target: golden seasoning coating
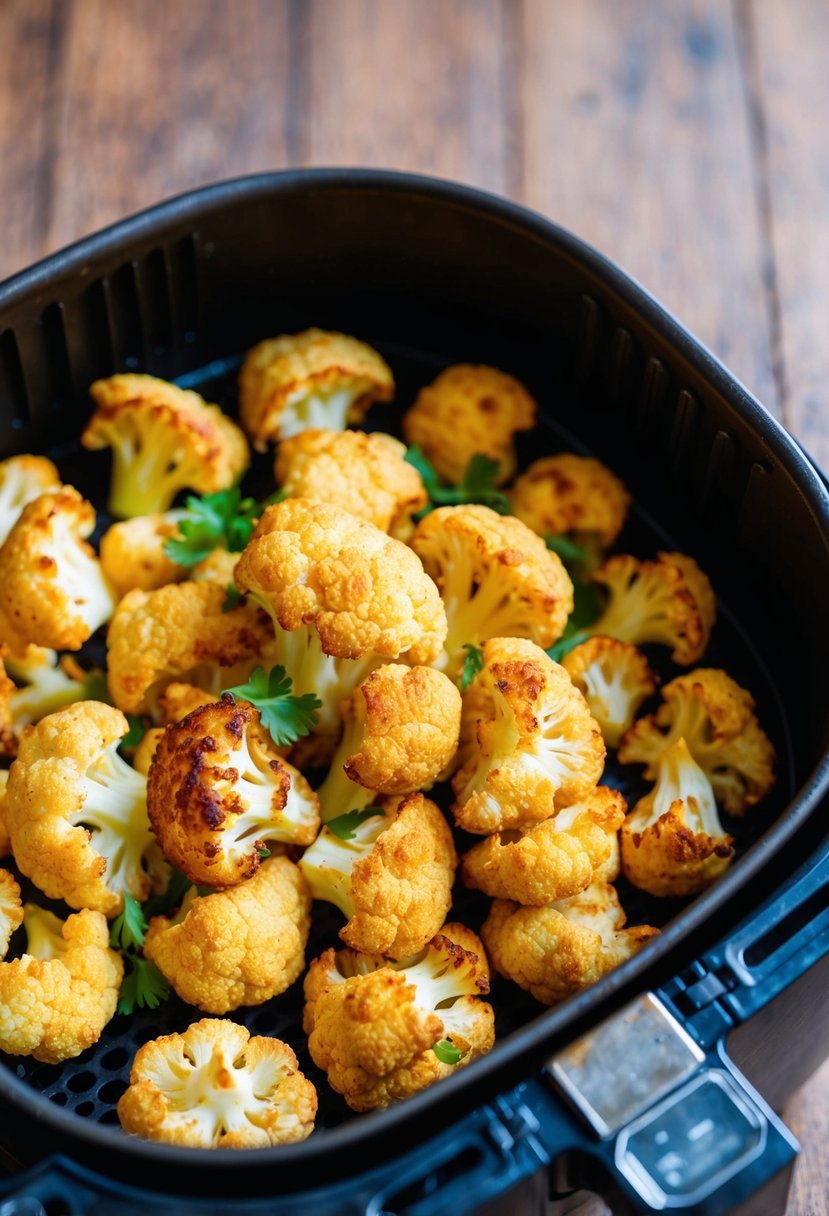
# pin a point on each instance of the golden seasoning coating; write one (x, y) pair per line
(571, 494)
(496, 578)
(529, 745)
(236, 947)
(11, 910)
(469, 409)
(312, 379)
(178, 700)
(52, 588)
(716, 718)
(217, 790)
(164, 439)
(553, 859)
(132, 553)
(22, 480)
(365, 475)
(216, 1087)
(615, 679)
(8, 743)
(559, 949)
(56, 1000)
(5, 839)
(180, 633)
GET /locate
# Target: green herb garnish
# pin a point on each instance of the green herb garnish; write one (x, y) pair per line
(345, 826)
(477, 484)
(472, 664)
(127, 930)
(233, 598)
(144, 987)
(447, 1052)
(572, 554)
(287, 717)
(95, 686)
(223, 519)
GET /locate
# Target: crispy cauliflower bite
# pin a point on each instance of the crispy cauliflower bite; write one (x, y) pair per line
(496, 578)
(529, 745)
(164, 439)
(216, 1087)
(217, 790)
(553, 859)
(5, 839)
(132, 553)
(468, 410)
(365, 475)
(56, 999)
(392, 879)
(76, 812)
(572, 494)
(716, 718)
(615, 679)
(48, 687)
(312, 379)
(52, 588)
(22, 480)
(8, 743)
(559, 949)
(236, 947)
(11, 910)
(372, 1025)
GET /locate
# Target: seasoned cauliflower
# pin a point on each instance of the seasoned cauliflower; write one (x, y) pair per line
(56, 999)
(672, 841)
(52, 588)
(76, 812)
(559, 949)
(383, 1031)
(553, 859)
(390, 872)
(571, 494)
(716, 718)
(401, 730)
(132, 553)
(164, 439)
(615, 679)
(22, 480)
(365, 475)
(529, 745)
(216, 1087)
(669, 601)
(311, 379)
(236, 947)
(5, 839)
(496, 578)
(48, 688)
(8, 743)
(468, 410)
(11, 910)
(217, 791)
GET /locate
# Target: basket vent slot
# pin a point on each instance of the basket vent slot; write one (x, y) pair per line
(620, 366)
(58, 367)
(720, 474)
(589, 326)
(182, 272)
(153, 286)
(14, 400)
(654, 393)
(130, 347)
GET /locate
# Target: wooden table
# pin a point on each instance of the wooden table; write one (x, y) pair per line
(685, 138)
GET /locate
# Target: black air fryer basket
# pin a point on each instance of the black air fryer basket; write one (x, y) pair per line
(643, 1088)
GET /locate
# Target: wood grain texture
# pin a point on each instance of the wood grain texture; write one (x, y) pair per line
(808, 1117)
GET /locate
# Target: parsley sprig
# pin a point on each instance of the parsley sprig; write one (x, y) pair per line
(284, 715)
(587, 606)
(472, 664)
(345, 826)
(224, 519)
(477, 484)
(143, 986)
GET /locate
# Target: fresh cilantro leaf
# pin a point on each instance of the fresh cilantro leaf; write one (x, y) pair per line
(135, 733)
(233, 598)
(415, 457)
(143, 987)
(287, 717)
(345, 826)
(95, 686)
(162, 905)
(447, 1052)
(477, 484)
(571, 553)
(472, 664)
(569, 640)
(127, 930)
(587, 606)
(264, 853)
(223, 518)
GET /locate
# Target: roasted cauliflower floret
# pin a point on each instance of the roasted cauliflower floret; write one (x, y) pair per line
(553, 859)
(615, 679)
(22, 480)
(496, 578)
(573, 495)
(468, 410)
(390, 872)
(56, 999)
(236, 947)
(669, 601)
(8, 743)
(312, 379)
(48, 688)
(76, 812)
(401, 730)
(217, 791)
(383, 1031)
(52, 588)
(716, 718)
(11, 910)
(5, 839)
(529, 745)
(216, 1087)
(559, 949)
(132, 553)
(365, 475)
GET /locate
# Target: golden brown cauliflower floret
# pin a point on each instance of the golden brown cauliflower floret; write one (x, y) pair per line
(390, 872)
(56, 999)
(5, 839)
(553, 859)
(559, 949)
(529, 745)
(236, 947)
(22, 480)
(312, 379)
(383, 1031)
(48, 687)
(216, 1087)
(615, 679)
(469, 409)
(365, 475)
(164, 439)
(52, 588)
(672, 841)
(572, 494)
(180, 633)
(669, 601)
(401, 730)
(496, 578)
(716, 718)
(76, 812)
(8, 743)
(217, 791)
(11, 910)
(132, 553)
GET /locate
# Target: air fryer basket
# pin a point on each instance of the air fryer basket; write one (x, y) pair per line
(433, 274)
